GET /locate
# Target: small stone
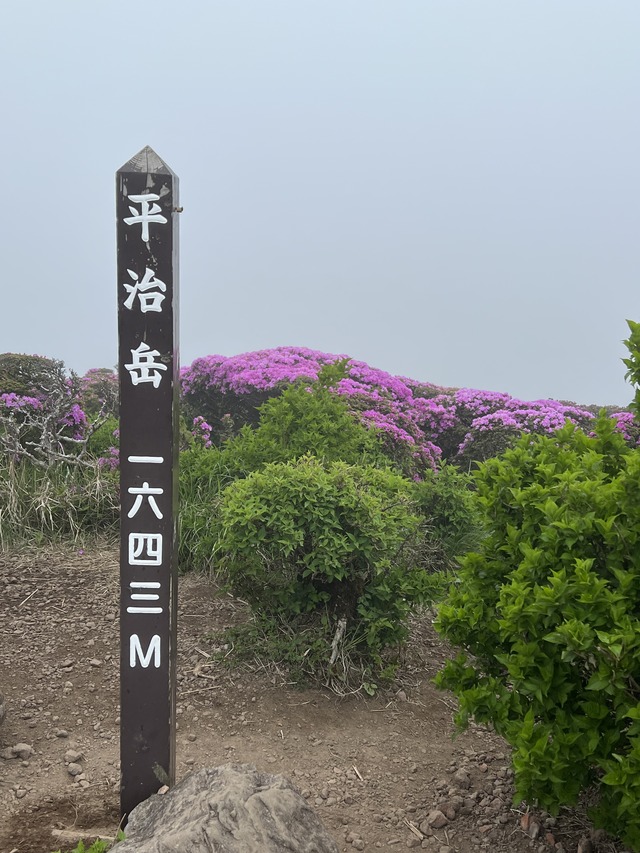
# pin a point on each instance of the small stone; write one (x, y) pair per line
(401, 695)
(22, 750)
(462, 778)
(74, 769)
(72, 756)
(535, 829)
(20, 793)
(358, 843)
(585, 846)
(191, 737)
(95, 662)
(436, 819)
(61, 733)
(7, 753)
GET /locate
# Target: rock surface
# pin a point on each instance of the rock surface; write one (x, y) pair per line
(229, 809)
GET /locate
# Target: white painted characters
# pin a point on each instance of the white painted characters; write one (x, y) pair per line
(144, 491)
(143, 367)
(138, 594)
(150, 299)
(135, 651)
(149, 212)
(145, 549)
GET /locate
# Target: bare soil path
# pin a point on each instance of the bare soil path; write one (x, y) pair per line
(381, 772)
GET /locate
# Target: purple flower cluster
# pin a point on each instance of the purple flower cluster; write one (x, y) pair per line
(426, 420)
(55, 415)
(112, 461)
(18, 403)
(628, 426)
(261, 370)
(201, 431)
(76, 419)
(488, 411)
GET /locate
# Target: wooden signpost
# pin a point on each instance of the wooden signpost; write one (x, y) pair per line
(148, 364)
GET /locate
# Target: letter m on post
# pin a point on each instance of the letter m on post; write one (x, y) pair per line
(144, 658)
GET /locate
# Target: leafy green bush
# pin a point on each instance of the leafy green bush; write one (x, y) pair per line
(204, 474)
(307, 418)
(633, 362)
(451, 514)
(548, 613)
(103, 438)
(302, 420)
(334, 549)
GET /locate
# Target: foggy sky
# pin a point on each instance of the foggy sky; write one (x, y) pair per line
(446, 190)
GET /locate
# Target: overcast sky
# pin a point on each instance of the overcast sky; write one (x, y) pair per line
(446, 189)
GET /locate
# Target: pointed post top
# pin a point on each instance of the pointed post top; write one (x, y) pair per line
(147, 161)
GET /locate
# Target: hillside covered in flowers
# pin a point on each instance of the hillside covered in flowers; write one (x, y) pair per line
(425, 420)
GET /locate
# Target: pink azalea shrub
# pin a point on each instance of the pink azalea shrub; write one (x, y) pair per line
(98, 391)
(418, 420)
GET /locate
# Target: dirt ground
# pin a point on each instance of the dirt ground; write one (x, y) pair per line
(382, 772)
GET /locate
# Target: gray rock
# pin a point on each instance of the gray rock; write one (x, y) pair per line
(462, 778)
(436, 819)
(22, 750)
(74, 769)
(229, 809)
(72, 756)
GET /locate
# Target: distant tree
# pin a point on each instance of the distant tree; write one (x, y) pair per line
(30, 375)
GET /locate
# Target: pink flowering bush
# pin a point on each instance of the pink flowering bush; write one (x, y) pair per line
(43, 411)
(420, 424)
(494, 421)
(98, 392)
(216, 387)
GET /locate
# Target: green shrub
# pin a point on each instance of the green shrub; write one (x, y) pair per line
(451, 513)
(334, 549)
(633, 363)
(302, 420)
(103, 438)
(204, 474)
(307, 418)
(548, 613)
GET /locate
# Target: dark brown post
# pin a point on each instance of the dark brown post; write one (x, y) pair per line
(147, 237)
